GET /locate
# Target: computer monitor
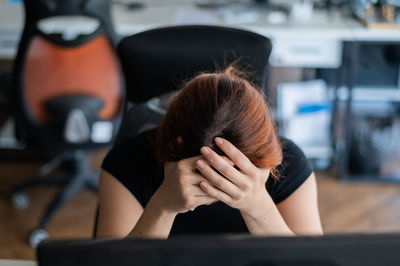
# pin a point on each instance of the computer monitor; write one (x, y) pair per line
(328, 250)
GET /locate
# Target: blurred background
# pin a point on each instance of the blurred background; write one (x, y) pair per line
(333, 83)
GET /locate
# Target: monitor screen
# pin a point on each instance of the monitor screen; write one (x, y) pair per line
(240, 250)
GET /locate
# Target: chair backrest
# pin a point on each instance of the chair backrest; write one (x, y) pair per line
(158, 60)
(69, 91)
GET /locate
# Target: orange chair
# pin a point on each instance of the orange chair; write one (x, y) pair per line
(69, 96)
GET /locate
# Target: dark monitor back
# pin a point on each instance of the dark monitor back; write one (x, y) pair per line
(329, 250)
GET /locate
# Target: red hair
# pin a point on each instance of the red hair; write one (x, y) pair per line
(223, 105)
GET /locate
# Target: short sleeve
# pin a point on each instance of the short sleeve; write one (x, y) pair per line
(294, 170)
(133, 163)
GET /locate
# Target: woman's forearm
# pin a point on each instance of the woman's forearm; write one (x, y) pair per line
(155, 222)
(266, 220)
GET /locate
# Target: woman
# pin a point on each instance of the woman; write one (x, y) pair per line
(214, 165)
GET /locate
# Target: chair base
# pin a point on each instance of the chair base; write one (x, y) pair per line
(77, 177)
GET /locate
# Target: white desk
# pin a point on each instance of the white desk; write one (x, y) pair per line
(316, 43)
(17, 262)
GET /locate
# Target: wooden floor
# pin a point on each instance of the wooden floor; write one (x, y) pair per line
(344, 207)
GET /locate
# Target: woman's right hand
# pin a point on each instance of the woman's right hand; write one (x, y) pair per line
(180, 190)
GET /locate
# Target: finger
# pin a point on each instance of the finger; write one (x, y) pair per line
(217, 180)
(205, 200)
(228, 160)
(235, 155)
(223, 167)
(197, 191)
(187, 164)
(215, 193)
(196, 178)
(194, 182)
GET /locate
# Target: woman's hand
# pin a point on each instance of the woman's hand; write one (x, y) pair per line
(180, 191)
(243, 189)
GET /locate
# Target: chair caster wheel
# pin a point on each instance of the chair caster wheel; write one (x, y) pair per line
(37, 236)
(20, 200)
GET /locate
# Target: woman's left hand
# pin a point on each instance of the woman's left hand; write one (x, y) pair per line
(243, 189)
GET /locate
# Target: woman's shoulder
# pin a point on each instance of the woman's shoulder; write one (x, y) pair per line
(137, 149)
(292, 153)
(287, 143)
(133, 162)
(293, 171)
(143, 141)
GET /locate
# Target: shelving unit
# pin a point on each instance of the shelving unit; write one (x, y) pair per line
(348, 95)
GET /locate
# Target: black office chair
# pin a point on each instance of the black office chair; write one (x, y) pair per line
(68, 96)
(157, 61)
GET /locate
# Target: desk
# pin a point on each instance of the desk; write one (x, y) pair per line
(315, 43)
(17, 262)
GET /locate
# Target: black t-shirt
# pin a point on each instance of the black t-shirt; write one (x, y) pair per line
(133, 162)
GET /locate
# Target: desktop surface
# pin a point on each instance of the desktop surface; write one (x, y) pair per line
(17, 262)
(314, 43)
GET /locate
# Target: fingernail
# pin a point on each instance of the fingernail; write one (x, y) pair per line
(200, 164)
(204, 184)
(205, 150)
(219, 141)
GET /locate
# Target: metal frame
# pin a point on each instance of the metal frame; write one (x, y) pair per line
(343, 145)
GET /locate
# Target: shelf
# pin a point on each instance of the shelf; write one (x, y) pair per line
(370, 94)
